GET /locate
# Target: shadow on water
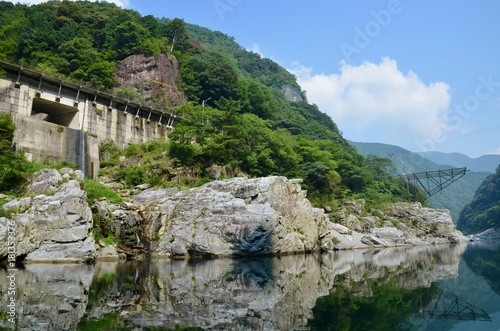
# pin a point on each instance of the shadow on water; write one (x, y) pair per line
(484, 260)
(258, 271)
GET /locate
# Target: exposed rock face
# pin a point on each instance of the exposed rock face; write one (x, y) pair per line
(271, 215)
(239, 216)
(153, 76)
(235, 217)
(54, 225)
(492, 233)
(291, 93)
(401, 224)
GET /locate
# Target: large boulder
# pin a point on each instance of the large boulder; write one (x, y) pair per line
(52, 226)
(239, 216)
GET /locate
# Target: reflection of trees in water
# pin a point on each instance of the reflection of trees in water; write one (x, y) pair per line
(388, 307)
(484, 261)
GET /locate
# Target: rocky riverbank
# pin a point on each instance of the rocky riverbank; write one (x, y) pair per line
(235, 217)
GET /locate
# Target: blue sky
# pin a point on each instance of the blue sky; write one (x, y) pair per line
(420, 74)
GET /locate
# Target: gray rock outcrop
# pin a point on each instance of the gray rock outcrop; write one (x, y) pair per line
(292, 93)
(271, 215)
(239, 216)
(234, 217)
(55, 224)
(401, 224)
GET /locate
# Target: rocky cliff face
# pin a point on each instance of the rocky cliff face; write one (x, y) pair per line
(54, 222)
(234, 217)
(291, 93)
(239, 216)
(154, 77)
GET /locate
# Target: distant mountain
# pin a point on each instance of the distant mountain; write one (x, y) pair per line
(453, 197)
(483, 163)
(405, 162)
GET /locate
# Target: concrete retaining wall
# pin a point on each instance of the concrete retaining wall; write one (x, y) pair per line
(58, 125)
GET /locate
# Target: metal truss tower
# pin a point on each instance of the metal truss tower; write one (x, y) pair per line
(434, 181)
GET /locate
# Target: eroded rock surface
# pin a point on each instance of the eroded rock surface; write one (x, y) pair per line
(239, 216)
(155, 77)
(55, 224)
(235, 217)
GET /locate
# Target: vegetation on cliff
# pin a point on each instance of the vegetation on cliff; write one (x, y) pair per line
(236, 117)
(13, 166)
(484, 210)
(15, 169)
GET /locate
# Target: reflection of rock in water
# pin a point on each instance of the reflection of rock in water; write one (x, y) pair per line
(222, 294)
(259, 294)
(49, 297)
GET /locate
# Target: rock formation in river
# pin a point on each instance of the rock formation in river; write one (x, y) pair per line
(239, 216)
(235, 217)
(54, 222)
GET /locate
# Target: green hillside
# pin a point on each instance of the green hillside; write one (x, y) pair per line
(453, 197)
(483, 212)
(236, 116)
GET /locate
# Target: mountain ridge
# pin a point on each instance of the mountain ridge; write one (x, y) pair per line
(487, 162)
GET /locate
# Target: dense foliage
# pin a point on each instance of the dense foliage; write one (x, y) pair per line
(13, 166)
(484, 210)
(237, 115)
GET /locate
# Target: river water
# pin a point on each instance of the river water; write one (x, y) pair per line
(418, 288)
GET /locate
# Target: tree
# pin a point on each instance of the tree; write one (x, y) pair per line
(257, 98)
(128, 39)
(12, 21)
(13, 166)
(79, 55)
(177, 34)
(156, 29)
(209, 75)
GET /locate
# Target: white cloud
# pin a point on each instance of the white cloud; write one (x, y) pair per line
(496, 151)
(121, 3)
(378, 103)
(256, 49)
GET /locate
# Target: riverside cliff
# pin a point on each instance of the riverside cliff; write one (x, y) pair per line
(235, 217)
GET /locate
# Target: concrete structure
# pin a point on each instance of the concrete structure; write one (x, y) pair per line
(63, 121)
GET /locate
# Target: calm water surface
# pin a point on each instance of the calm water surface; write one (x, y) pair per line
(419, 288)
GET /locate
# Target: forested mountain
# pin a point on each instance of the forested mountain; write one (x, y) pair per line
(236, 115)
(453, 197)
(484, 210)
